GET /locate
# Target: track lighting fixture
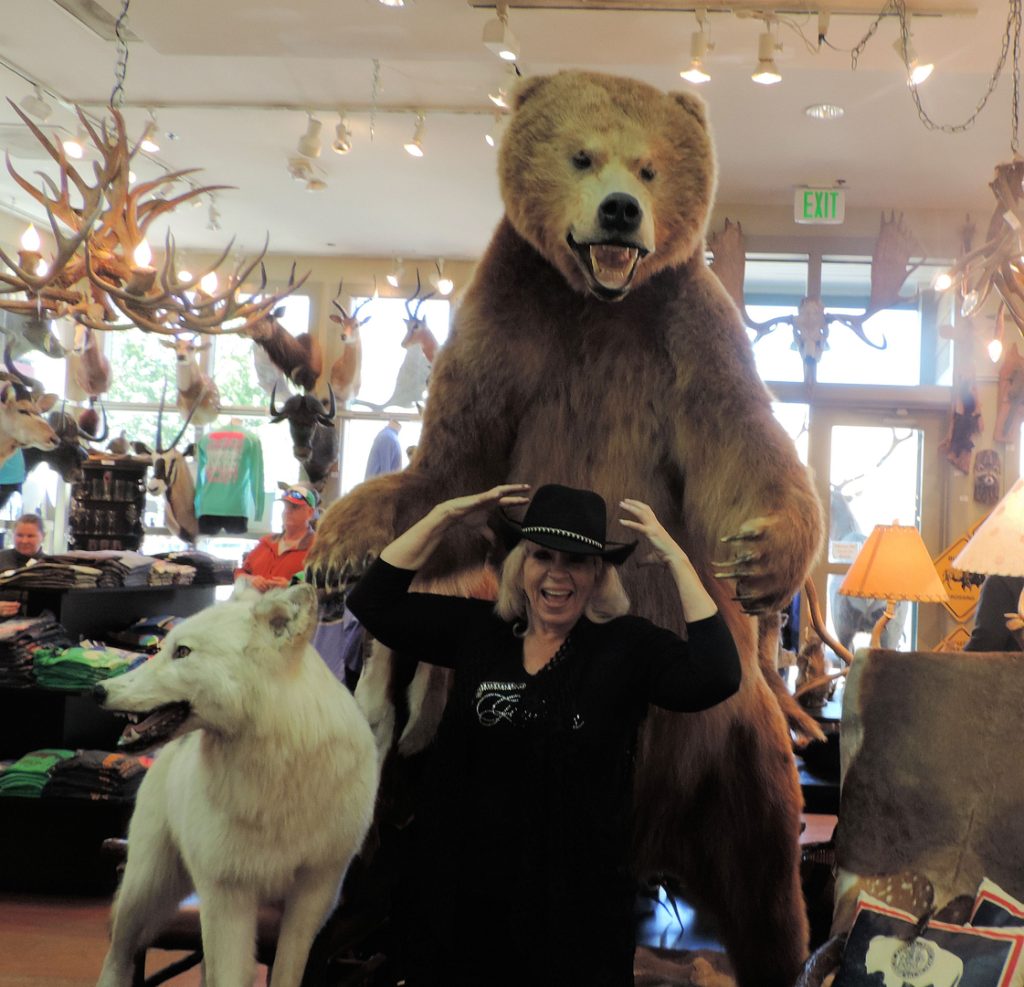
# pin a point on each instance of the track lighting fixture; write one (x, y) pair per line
(498, 36)
(342, 142)
(394, 276)
(309, 142)
(415, 146)
(395, 4)
(767, 72)
(213, 219)
(442, 283)
(300, 169)
(699, 47)
(74, 144)
(917, 71)
(150, 143)
(36, 105)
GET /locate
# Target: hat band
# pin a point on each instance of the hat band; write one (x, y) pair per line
(541, 529)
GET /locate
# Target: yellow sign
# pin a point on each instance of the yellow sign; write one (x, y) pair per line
(963, 597)
(954, 640)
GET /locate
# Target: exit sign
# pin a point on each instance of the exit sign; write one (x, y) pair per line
(819, 205)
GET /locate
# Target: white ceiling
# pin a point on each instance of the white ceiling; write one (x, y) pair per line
(245, 56)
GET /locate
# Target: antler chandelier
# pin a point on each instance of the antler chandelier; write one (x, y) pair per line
(100, 275)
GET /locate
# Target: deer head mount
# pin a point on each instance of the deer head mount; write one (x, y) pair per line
(94, 277)
(890, 268)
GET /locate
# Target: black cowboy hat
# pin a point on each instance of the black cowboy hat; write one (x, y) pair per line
(566, 520)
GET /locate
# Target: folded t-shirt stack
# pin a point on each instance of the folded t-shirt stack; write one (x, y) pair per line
(49, 574)
(82, 665)
(116, 568)
(20, 639)
(28, 776)
(97, 775)
(146, 634)
(166, 573)
(209, 569)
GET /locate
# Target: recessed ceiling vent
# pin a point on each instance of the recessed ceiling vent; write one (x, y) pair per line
(91, 15)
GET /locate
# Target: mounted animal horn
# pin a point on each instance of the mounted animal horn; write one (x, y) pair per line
(415, 313)
(29, 383)
(328, 419)
(275, 415)
(366, 301)
(105, 431)
(159, 424)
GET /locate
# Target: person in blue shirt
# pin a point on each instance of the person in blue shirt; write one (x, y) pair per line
(386, 452)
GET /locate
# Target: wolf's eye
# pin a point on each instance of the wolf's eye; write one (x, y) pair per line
(648, 174)
(181, 651)
(581, 160)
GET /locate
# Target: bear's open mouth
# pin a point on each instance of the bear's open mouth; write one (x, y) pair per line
(608, 267)
(157, 726)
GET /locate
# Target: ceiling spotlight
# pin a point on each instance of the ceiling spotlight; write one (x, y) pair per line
(394, 276)
(917, 71)
(497, 35)
(74, 144)
(767, 72)
(493, 135)
(415, 146)
(824, 111)
(442, 283)
(342, 142)
(213, 218)
(316, 185)
(37, 105)
(309, 142)
(149, 142)
(699, 47)
(300, 169)
(394, 3)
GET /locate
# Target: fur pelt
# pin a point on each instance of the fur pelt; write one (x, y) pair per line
(653, 396)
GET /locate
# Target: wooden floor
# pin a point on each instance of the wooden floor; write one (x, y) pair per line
(61, 942)
(48, 941)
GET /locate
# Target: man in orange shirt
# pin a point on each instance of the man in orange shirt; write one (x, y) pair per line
(277, 558)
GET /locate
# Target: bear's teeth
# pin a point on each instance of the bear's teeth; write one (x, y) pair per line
(612, 266)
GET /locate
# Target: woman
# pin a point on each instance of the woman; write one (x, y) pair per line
(276, 559)
(520, 870)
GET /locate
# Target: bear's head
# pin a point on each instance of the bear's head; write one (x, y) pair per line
(609, 178)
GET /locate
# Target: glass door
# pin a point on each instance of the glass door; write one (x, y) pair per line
(871, 468)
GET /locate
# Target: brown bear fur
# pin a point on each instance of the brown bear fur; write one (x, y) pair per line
(653, 396)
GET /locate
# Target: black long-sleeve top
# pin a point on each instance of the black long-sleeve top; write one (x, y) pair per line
(999, 596)
(524, 822)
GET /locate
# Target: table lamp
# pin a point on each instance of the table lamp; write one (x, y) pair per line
(997, 547)
(892, 565)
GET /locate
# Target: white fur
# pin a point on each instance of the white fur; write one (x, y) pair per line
(266, 796)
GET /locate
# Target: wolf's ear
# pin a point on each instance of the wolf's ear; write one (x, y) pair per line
(289, 613)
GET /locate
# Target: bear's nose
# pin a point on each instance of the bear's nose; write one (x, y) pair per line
(99, 694)
(620, 213)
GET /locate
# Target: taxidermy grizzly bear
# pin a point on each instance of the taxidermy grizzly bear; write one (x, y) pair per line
(594, 348)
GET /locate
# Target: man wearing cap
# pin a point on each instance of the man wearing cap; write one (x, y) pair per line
(276, 559)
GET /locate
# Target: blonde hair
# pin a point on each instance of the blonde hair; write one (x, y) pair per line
(608, 601)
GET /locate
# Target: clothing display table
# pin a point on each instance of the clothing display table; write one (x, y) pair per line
(52, 845)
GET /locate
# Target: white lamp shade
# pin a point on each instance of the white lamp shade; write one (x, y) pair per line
(997, 547)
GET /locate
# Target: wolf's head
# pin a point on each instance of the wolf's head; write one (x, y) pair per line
(220, 669)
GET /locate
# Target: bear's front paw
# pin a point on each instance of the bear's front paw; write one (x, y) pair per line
(763, 585)
(334, 579)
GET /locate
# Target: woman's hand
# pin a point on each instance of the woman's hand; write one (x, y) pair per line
(644, 521)
(474, 509)
(694, 598)
(412, 548)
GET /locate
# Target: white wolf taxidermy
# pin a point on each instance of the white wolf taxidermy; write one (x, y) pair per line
(265, 793)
